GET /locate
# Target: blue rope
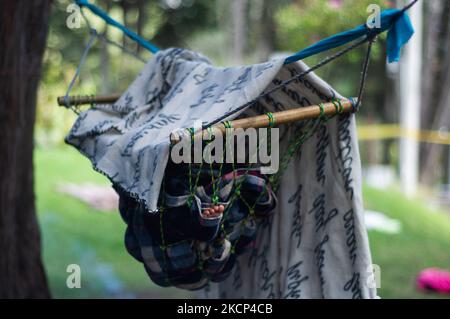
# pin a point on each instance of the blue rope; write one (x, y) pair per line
(396, 21)
(102, 14)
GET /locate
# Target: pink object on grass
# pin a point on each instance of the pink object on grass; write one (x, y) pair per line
(434, 279)
(335, 4)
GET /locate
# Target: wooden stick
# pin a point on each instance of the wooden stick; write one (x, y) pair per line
(88, 99)
(283, 117)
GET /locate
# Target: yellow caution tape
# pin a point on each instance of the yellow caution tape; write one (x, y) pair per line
(390, 131)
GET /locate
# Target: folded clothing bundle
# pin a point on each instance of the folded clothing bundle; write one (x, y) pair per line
(180, 246)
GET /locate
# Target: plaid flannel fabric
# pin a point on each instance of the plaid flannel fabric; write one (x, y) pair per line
(178, 246)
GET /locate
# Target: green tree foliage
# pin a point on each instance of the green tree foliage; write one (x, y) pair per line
(302, 23)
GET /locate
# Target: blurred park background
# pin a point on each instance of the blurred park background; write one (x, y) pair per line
(407, 232)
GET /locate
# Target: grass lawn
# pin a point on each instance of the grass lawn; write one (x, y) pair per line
(73, 233)
(423, 242)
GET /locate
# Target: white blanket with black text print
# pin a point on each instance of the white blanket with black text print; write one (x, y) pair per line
(315, 245)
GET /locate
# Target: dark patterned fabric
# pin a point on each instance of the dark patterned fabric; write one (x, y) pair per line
(178, 246)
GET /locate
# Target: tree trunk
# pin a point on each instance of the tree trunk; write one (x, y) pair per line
(104, 61)
(431, 65)
(239, 22)
(266, 30)
(433, 152)
(125, 8)
(23, 30)
(140, 21)
(440, 118)
(432, 76)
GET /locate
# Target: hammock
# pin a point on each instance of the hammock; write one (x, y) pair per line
(190, 225)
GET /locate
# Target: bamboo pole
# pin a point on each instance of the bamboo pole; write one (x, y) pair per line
(88, 99)
(282, 117)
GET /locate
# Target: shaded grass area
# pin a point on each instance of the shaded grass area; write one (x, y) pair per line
(74, 233)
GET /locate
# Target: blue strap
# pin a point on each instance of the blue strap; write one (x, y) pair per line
(102, 14)
(394, 20)
(398, 36)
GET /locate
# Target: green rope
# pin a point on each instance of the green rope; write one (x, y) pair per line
(299, 138)
(210, 132)
(322, 110)
(191, 185)
(227, 124)
(337, 104)
(191, 132)
(271, 119)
